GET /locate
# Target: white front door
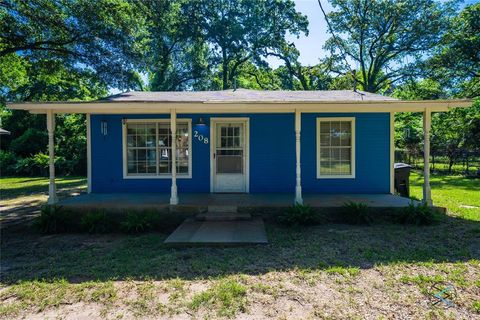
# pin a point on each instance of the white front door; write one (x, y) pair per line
(229, 155)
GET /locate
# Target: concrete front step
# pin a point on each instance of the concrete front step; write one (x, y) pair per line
(222, 209)
(223, 216)
(222, 233)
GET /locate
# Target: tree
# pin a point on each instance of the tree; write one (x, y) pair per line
(386, 39)
(177, 56)
(456, 63)
(104, 36)
(238, 31)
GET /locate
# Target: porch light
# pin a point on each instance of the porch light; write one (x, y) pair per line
(103, 127)
(200, 122)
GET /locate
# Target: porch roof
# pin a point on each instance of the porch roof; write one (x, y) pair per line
(240, 101)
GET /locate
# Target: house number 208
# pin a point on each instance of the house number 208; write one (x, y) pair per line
(200, 137)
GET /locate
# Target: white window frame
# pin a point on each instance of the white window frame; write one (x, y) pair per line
(126, 175)
(352, 154)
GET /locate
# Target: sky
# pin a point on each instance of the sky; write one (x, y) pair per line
(310, 46)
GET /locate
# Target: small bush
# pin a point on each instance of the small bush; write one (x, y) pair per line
(356, 213)
(8, 161)
(298, 214)
(54, 219)
(420, 214)
(96, 222)
(137, 222)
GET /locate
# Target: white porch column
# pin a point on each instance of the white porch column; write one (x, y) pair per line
(298, 185)
(427, 193)
(52, 190)
(173, 129)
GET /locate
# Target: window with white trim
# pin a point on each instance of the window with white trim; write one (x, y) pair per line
(148, 148)
(335, 147)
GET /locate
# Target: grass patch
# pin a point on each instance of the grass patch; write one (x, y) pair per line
(460, 195)
(13, 187)
(343, 271)
(227, 296)
(40, 294)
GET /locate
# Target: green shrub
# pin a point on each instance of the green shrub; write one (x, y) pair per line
(136, 222)
(298, 214)
(96, 222)
(26, 166)
(55, 219)
(356, 213)
(30, 142)
(420, 214)
(8, 160)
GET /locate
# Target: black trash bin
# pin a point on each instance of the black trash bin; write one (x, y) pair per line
(402, 177)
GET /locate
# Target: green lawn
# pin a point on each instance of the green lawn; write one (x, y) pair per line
(460, 195)
(325, 271)
(14, 187)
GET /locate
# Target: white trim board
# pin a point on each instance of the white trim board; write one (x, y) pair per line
(155, 176)
(213, 122)
(239, 107)
(352, 152)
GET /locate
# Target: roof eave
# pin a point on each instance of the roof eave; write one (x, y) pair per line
(113, 107)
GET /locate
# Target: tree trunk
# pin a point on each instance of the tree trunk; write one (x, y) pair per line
(224, 70)
(450, 165)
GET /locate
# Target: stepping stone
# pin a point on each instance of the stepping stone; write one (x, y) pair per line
(192, 232)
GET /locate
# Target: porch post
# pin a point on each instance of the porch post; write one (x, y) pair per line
(52, 190)
(427, 193)
(173, 129)
(298, 185)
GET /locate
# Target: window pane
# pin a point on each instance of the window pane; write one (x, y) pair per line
(345, 168)
(325, 127)
(335, 154)
(325, 139)
(325, 154)
(131, 141)
(164, 154)
(164, 167)
(345, 154)
(335, 133)
(182, 167)
(335, 167)
(324, 167)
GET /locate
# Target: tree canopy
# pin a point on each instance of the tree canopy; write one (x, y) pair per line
(84, 50)
(384, 39)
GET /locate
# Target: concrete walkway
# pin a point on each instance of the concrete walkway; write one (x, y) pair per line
(193, 232)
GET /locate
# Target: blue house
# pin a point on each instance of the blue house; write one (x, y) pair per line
(241, 141)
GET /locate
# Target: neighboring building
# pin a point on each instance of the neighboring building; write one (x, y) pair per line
(243, 141)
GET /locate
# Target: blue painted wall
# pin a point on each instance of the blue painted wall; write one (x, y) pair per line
(372, 155)
(272, 156)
